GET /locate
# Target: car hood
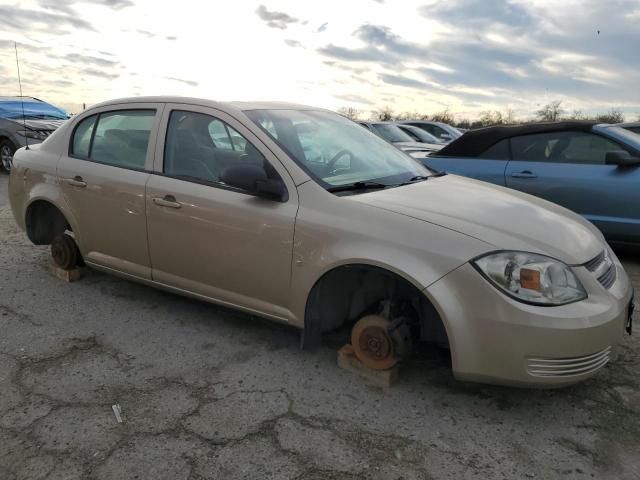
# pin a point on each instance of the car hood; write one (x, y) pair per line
(418, 146)
(33, 124)
(43, 124)
(504, 218)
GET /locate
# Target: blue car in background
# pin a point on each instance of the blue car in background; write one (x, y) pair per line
(25, 120)
(592, 169)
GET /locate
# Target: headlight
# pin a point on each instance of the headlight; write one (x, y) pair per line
(35, 134)
(531, 278)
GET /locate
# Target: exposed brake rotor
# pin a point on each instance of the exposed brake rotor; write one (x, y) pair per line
(379, 343)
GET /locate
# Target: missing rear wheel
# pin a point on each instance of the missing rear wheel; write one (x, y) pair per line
(64, 252)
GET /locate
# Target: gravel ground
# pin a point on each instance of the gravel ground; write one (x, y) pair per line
(210, 393)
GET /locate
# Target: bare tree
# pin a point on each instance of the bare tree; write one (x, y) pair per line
(444, 116)
(614, 115)
(551, 112)
(350, 112)
(578, 115)
(383, 115)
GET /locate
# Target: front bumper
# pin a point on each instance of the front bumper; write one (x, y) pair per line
(496, 339)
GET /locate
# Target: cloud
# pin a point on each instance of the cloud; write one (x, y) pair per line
(402, 81)
(367, 54)
(354, 99)
(146, 33)
(279, 20)
(171, 38)
(191, 83)
(322, 27)
(89, 59)
(293, 43)
(478, 13)
(67, 6)
(20, 19)
(98, 73)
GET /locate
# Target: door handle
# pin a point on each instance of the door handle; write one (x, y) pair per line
(524, 174)
(167, 201)
(76, 181)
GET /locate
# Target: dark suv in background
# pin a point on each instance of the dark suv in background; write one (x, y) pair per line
(16, 131)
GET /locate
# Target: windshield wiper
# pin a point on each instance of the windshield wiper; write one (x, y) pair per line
(422, 178)
(358, 186)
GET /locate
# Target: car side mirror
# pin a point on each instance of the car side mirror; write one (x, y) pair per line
(446, 136)
(253, 179)
(621, 158)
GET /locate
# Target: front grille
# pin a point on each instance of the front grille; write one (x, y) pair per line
(608, 278)
(568, 367)
(603, 268)
(594, 263)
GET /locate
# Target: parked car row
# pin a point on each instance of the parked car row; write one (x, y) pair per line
(591, 169)
(25, 120)
(400, 138)
(302, 216)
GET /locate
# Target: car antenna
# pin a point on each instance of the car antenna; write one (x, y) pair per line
(24, 118)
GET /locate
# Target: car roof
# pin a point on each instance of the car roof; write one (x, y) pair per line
(430, 122)
(18, 98)
(627, 124)
(207, 102)
(475, 142)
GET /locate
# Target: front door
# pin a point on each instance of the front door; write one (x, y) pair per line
(569, 168)
(103, 180)
(211, 239)
(488, 167)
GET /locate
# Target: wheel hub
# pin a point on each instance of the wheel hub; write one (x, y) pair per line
(372, 343)
(6, 155)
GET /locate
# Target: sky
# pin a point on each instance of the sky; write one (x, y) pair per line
(467, 56)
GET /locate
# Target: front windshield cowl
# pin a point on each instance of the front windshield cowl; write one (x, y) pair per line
(335, 151)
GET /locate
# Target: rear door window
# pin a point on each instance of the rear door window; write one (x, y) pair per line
(122, 138)
(119, 138)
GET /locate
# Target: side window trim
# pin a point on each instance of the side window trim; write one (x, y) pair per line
(93, 135)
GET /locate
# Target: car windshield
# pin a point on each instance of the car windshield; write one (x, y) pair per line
(421, 135)
(335, 151)
(32, 111)
(626, 136)
(392, 133)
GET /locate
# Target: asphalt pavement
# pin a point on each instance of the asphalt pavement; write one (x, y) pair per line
(209, 393)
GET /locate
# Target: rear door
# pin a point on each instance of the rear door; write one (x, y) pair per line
(489, 167)
(103, 178)
(569, 168)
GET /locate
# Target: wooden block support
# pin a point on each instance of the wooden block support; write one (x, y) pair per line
(380, 378)
(65, 275)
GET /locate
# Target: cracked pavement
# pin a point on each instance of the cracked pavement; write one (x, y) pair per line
(210, 393)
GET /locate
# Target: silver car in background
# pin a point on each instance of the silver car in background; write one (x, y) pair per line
(439, 130)
(393, 134)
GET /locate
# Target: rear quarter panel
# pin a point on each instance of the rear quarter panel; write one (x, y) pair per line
(33, 177)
